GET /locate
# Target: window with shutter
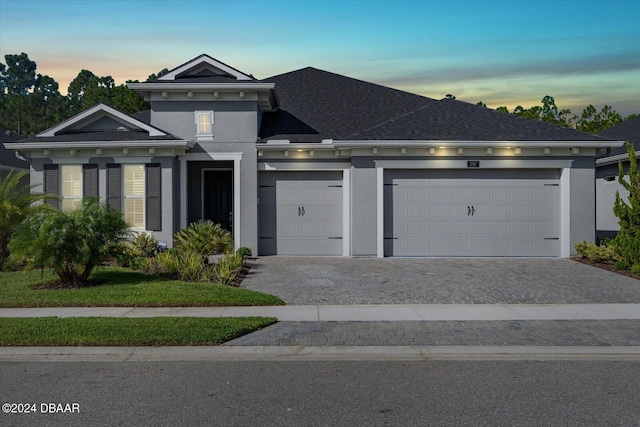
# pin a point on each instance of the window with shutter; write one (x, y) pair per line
(134, 195)
(71, 186)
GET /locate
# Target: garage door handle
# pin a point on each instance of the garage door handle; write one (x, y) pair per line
(468, 210)
(473, 211)
(299, 211)
(303, 211)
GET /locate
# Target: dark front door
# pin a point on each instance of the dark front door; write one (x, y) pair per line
(217, 197)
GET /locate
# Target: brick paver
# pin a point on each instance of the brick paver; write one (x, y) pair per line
(438, 281)
(448, 333)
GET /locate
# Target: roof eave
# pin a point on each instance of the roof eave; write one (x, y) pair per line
(604, 161)
(52, 145)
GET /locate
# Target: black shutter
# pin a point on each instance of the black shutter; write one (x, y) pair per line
(90, 181)
(114, 187)
(52, 184)
(153, 190)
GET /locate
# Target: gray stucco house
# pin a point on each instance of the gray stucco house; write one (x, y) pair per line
(314, 163)
(607, 175)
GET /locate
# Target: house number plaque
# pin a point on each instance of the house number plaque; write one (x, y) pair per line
(473, 163)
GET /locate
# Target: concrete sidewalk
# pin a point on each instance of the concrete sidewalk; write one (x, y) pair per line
(356, 313)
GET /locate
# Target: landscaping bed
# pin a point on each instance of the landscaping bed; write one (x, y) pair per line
(606, 266)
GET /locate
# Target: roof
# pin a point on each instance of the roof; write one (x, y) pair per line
(316, 105)
(8, 157)
(629, 130)
(204, 69)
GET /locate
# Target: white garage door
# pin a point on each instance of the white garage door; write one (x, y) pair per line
(472, 212)
(300, 213)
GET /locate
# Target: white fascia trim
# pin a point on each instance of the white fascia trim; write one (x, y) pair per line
(484, 164)
(208, 60)
(195, 87)
(95, 109)
(30, 146)
(211, 156)
(615, 159)
(474, 144)
(304, 166)
(284, 144)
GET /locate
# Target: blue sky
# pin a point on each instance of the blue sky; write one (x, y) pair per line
(504, 52)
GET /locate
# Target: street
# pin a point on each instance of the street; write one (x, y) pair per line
(341, 393)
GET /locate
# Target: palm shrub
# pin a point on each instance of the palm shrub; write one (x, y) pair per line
(71, 243)
(228, 268)
(17, 201)
(205, 238)
(627, 242)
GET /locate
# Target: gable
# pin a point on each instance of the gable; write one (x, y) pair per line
(204, 66)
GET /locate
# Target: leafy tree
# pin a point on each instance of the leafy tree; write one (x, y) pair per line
(503, 109)
(627, 241)
(594, 121)
(18, 77)
(449, 96)
(71, 243)
(481, 104)
(160, 74)
(17, 201)
(128, 101)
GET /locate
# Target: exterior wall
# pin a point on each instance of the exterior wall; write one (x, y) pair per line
(234, 121)
(582, 206)
(363, 208)
(606, 188)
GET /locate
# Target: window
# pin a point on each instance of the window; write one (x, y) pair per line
(204, 123)
(71, 180)
(134, 195)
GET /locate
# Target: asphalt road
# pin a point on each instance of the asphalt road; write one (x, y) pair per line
(437, 393)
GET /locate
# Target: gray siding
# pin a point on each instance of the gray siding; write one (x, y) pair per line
(363, 211)
(583, 202)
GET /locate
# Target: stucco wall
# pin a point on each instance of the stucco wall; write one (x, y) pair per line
(363, 211)
(234, 121)
(583, 218)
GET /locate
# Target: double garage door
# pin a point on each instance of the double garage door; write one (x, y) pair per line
(471, 212)
(300, 213)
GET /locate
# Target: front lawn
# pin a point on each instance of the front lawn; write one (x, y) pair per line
(124, 288)
(117, 331)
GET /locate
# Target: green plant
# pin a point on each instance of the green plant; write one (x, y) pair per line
(228, 268)
(17, 201)
(627, 242)
(244, 252)
(596, 253)
(190, 266)
(144, 245)
(71, 243)
(168, 261)
(635, 270)
(621, 265)
(205, 238)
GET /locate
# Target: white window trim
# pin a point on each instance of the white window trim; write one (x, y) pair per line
(204, 136)
(64, 197)
(142, 197)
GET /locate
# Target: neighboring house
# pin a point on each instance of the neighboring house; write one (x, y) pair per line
(314, 163)
(8, 158)
(607, 175)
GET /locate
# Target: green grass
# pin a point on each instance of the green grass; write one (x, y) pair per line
(124, 288)
(117, 331)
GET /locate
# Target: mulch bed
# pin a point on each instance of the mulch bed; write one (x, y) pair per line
(605, 266)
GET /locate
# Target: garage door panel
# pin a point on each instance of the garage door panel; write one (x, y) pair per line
(303, 214)
(469, 213)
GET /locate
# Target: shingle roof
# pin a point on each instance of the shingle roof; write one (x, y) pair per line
(8, 157)
(629, 130)
(96, 136)
(316, 104)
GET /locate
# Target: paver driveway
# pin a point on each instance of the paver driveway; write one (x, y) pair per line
(438, 281)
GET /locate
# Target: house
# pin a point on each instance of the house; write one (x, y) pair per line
(314, 163)
(607, 175)
(8, 159)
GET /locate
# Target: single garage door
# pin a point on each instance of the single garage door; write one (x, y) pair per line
(300, 213)
(472, 212)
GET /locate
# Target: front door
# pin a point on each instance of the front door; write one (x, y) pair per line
(217, 190)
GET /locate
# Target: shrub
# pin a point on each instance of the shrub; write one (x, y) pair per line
(244, 252)
(635, 270)
(205, 238)
(71, 243)
(228, 268)
(168, 261)
(17, 201)
(190, 266)
(144, 245)
(621, 265)
(595, 253)
(627, 242)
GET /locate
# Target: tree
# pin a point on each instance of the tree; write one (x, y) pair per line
(503, 109)
(18, 78)
(128, 101)
(481, 104)
(71, 243)
(627, 242)
(594, 121)
(449, 96)
(16, 203)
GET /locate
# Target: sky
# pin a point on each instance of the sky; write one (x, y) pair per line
(503, 52)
